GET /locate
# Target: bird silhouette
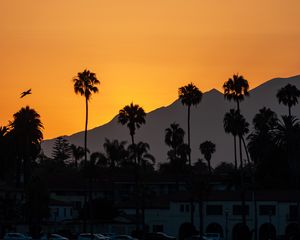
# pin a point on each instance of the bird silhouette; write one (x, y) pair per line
(23, 94)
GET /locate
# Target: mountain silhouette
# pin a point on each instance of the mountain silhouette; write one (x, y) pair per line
(206, 123)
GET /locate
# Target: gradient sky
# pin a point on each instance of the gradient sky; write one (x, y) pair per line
(141, 51)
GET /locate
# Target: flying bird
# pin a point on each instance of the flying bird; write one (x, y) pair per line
(23, 94)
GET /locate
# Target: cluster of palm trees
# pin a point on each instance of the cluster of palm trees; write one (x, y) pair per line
(280, 138)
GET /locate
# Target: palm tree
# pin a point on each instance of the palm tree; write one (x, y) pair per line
(229, 123)
(26, 129)
(85, 84)
(264, 124)
(174, 137)
(242, 128)
(207, 148)
(133, 116)
(77, 153)
(287, 138)
(115, 152)
(235, 89)
(189, 95)
(141, 151)
(288, 95)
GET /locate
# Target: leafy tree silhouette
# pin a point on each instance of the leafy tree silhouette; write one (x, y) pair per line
(288, 96)
(207, 148)
(26, 131)
(133, 116)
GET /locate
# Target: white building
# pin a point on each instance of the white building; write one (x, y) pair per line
(274, 214)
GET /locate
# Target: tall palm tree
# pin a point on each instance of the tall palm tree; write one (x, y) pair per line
(236, 88)
(189, 95)
(26, 129)
(207, 148)
(288, 96)
(229, 123)
(133, 116)
(85, 84)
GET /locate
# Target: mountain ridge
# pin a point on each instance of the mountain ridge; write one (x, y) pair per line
(206, 122)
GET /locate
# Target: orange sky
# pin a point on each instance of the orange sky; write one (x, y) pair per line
(141, 51)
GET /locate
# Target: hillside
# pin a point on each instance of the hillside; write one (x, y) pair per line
(206, 122)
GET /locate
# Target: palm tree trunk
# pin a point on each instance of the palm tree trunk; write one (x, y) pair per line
(290, 111)
(190, 164)
(209, 167)
(189, 136)
(137, 202)
(246, 150)
(85, 129)
(85, 214)
(235, 157)
(241, 152)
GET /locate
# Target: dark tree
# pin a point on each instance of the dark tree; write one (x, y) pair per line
(288, 96)
(77, 153)
(207, 148)
(189, 95)
(26, 132)
(85, 84)
(61, 149)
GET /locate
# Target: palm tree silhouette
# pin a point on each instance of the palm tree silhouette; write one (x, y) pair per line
(242, 128)
(115, 152)
(235, 89)
(141, 151)
(174, 137)
(207, 148)
(189, 95)
(288, 96)
(26, 129)
(133, 116)
(85, 84)
(77, 154)
(229, 123)
(264, 124)
(287, 138)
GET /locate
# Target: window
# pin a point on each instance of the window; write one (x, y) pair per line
(187, 207)
(158, 228)
(214, 210)
(65, 212)
(267, 210)
(181, 208)
(238, 210)
(293, 213)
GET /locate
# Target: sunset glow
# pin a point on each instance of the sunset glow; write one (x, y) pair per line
(141, 51)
